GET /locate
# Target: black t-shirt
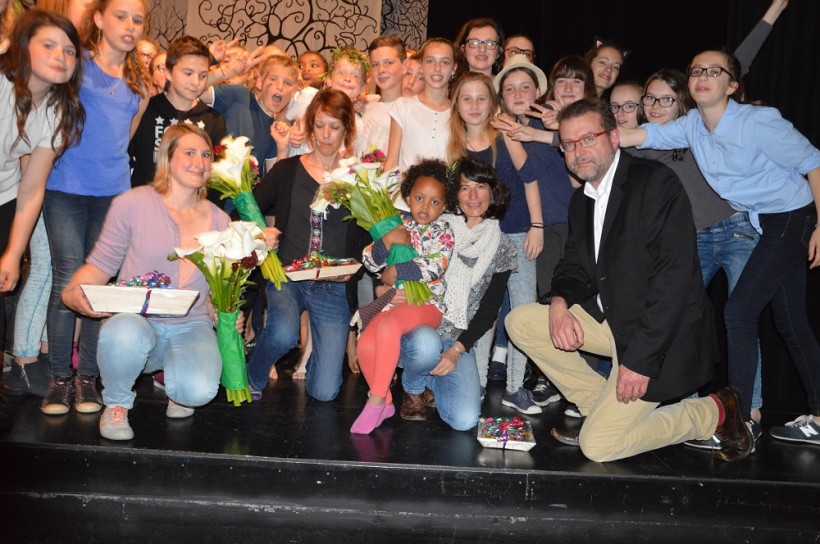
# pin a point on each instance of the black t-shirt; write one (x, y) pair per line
(159, 115)
(298, 232)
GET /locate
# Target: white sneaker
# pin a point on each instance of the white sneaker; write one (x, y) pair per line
(114, 424)
(177, 411)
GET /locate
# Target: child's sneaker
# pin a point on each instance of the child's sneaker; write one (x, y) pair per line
(58, 400)
(114, 424)
(86, 397)
(521, 400)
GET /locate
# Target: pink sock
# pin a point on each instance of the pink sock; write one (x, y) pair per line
(371, 417)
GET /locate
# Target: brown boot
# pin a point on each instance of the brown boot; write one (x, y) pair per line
(429, 398)
(412, 407)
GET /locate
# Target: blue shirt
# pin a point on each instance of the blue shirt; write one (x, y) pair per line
(754, 159)
(553, 179)
(517, 218)
(245, 117)
(99, 164)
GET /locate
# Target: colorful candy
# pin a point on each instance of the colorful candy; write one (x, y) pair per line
(153, 279)
(315, 260)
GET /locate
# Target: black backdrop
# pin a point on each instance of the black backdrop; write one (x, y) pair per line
(668, 34)
(663, 34)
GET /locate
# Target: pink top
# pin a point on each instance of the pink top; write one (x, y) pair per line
(137, 237)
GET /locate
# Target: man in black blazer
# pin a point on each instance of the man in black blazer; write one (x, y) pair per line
(629, 286)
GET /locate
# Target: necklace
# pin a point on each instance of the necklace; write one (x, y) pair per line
(114, 86)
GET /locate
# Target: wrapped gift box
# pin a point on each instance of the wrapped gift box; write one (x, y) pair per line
(319, 272)
(115, 299)
(511, 433)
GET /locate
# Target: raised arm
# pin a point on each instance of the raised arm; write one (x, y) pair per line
(751, 44)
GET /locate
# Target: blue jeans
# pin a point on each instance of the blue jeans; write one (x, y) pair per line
(73, 223)
(776, 273)
(521, 290)
(728, 245)
(187, 352)
(329, 314)
(32, 306)
(458, 395)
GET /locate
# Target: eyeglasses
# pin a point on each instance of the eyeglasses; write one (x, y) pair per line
(627, 107)
(529, 53)
(475, 43)
(665, 101)
(586, 141)
(711, 71)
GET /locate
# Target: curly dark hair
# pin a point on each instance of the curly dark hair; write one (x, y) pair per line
(480, 171)
(431, 168)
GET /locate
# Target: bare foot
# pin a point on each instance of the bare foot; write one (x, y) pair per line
(299, 374)
(273, 374)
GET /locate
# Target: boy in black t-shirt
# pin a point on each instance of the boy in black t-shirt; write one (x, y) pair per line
(187, 66)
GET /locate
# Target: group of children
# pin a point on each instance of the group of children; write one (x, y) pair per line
(88, 108)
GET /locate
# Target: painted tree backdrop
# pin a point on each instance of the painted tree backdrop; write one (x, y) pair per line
(293, 25)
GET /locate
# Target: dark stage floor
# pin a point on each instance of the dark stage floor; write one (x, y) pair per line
(287, 424)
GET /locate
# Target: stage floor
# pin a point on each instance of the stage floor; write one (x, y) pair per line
(287, 424)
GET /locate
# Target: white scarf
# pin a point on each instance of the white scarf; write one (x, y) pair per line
(477, 245)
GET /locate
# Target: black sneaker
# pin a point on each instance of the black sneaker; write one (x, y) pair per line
(803, 429)
(86, 397)
(545, 393)
(6, 414)
(712, 443)
(58, 400)
(572, 411)
(497, 371)
(29, 379)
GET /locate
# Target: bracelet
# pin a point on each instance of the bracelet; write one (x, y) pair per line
(537, 225)
(816, 225)
(460, 353)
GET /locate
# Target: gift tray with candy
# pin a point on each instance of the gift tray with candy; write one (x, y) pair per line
(511, 433)
(150, 294)
(318, 266)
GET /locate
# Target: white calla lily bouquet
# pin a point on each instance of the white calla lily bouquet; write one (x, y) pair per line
(226, 259)
(234, 175)
(363, 187)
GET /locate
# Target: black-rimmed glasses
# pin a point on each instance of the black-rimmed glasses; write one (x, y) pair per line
(475, 43)
(711, 71)
(627, 107)
(665, 101)
(586, 141)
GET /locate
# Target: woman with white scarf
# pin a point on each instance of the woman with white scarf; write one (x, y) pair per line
(442, 360)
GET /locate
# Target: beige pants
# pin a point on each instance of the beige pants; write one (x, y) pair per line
(612, 430)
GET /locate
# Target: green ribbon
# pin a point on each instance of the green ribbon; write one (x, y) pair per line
(400, 253)
(232, 349)
(379, 229)
(248, 209)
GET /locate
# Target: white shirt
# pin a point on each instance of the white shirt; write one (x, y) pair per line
(601, 198)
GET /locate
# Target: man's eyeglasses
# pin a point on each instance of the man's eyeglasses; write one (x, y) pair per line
(586, 141)
(665, 101)
(529, 53)
(627, 107)
(475, 43)
(711, 71)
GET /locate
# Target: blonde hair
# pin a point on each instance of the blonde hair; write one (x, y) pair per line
(457, 146)
(133, 73)
(167, 147)
(279, 60)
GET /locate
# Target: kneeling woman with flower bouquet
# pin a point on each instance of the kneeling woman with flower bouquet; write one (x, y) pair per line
(286, 192)
(142, 228)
